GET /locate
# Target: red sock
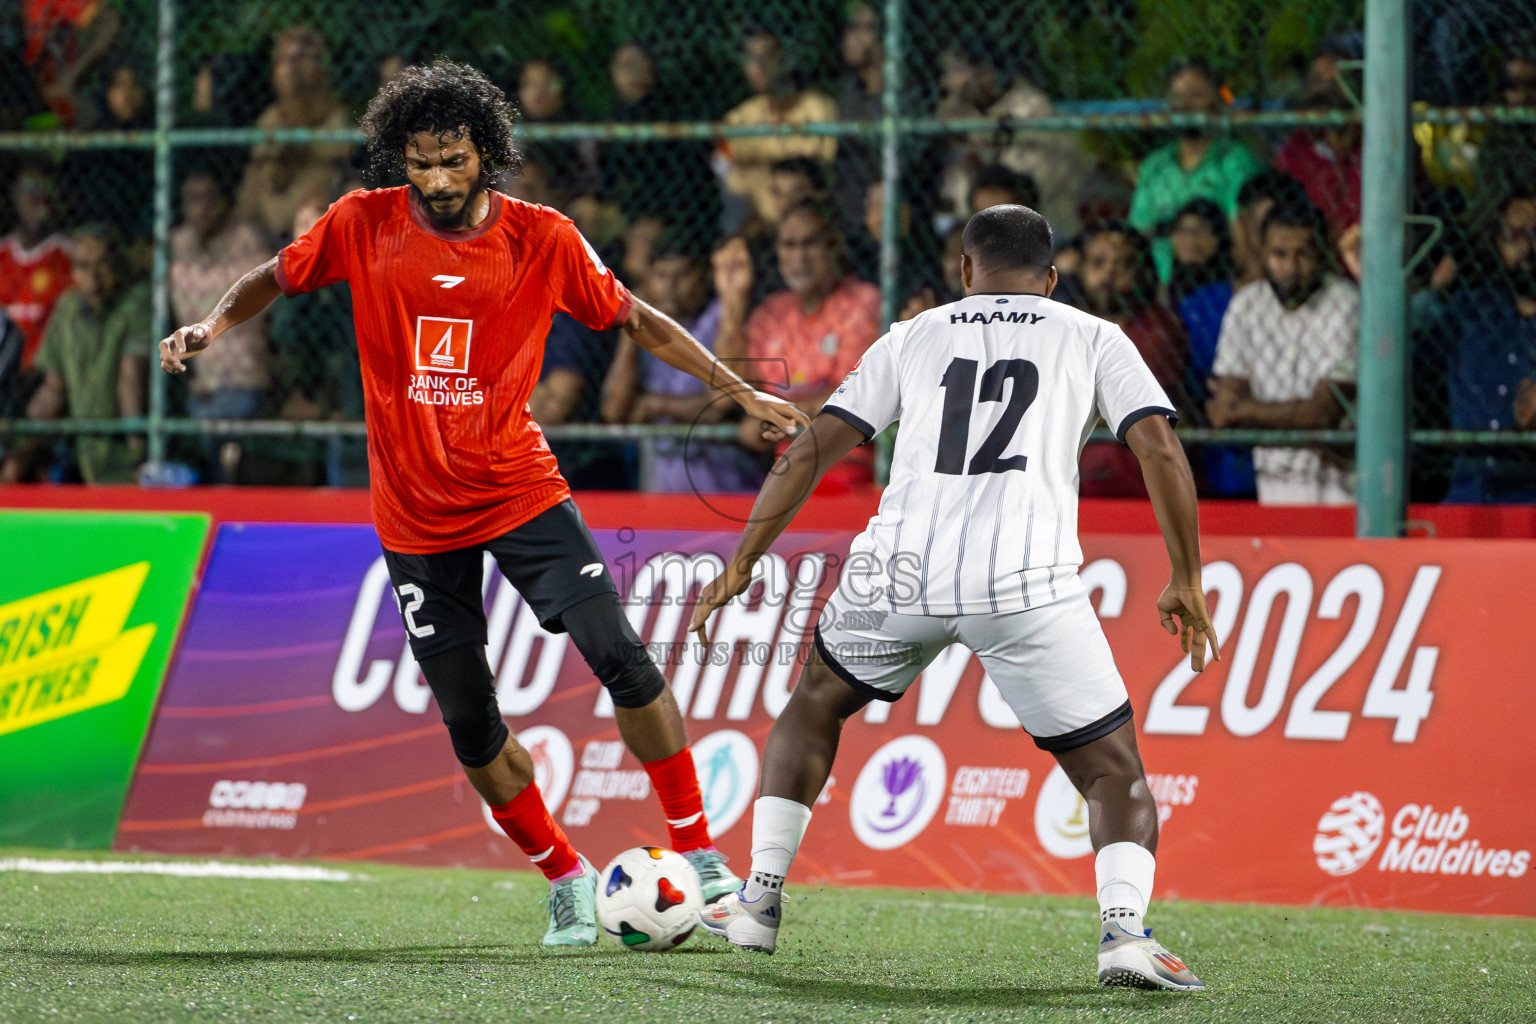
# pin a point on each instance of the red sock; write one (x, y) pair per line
(527, 823)
(677, 784)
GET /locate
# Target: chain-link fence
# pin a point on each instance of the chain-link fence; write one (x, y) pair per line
(785, 178)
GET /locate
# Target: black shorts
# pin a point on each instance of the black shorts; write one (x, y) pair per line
(552, 560)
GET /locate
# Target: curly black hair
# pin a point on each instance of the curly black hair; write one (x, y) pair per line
(450, 100)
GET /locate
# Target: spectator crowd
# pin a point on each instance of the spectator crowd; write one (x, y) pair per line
(1231, 259)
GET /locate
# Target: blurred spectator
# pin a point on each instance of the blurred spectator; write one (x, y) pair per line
(94, 358)
(576, 360)
(669, 180)
(283, 176)
(210, 251)
(1254, 201)
(973, 85)
(1326, 160)
(1505, 157)
(34, 265)
(116, 186)
(811, 334)
(317, 374)
(1287, 351)
(1119, 284)
(64, 40)
(860, 97)
(996, 185)
(917, 283)
(861, 90)
(542, 99)
(777, 98)
(640, 388)
(1489, 340)
(535, 183)
(1200, 291)
(1199, 164)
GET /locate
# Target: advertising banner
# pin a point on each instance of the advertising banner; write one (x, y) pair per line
(1364, 741)
(89, 608)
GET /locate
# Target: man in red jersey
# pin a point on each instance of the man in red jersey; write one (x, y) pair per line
(453, 286)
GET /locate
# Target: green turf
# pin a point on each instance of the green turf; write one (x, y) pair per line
(444, 945)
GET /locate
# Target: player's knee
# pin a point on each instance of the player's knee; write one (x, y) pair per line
(615, 654)
(466, 695)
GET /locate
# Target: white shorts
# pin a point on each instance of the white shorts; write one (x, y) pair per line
(1051, 662)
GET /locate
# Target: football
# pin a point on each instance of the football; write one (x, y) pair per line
(648, 899)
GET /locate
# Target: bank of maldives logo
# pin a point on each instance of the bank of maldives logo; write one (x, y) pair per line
(442, 345)
(1061, 818)
(897, 792)
(726, 763)
(554, 763)
(1348, 833)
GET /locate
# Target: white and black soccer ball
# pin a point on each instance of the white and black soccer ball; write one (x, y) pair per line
(648, 899)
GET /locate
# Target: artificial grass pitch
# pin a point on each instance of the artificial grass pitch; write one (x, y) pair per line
(409, 945)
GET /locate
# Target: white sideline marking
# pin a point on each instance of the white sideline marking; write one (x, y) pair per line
(184, 869)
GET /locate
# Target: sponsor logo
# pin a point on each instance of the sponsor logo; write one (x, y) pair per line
(448, 280)
(727, 764)
(977, 796)
(1420, 841)
(65, 650)
(243, 804)
(897, 792)
(442, 345)
(1061, 818)
(1348, 833)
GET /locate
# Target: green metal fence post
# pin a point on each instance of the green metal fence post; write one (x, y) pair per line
(1381, 450)
(165, 120)
(890, 165)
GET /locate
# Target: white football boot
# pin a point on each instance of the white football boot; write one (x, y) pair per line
(1136, 960)
(750, 925)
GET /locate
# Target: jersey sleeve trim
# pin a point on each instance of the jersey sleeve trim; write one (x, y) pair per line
(853, 421)
(283, 281)
(1140, 414)
(625, 305)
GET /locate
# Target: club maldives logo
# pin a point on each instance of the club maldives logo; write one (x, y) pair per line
(1421, 840)
(1348, 833)
(726, 762)
(897, 792)
(554, 763)
(65, 650)
(1061, 818)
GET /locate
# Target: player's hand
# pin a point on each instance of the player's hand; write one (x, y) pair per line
(183, 344)
(717, 592)
(779, 418)
(1194, 628)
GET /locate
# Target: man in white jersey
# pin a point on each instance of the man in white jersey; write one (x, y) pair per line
(976, 543)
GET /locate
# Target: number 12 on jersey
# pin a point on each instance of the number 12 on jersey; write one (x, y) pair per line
(959, 384)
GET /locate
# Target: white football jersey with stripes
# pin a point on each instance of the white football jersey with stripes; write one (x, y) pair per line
(996, 395)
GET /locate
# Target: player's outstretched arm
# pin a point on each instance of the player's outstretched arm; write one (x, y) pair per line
(793, 477)
(250, 295)
(665, 338)
(1172, 489)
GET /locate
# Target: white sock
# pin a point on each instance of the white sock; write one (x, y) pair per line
(778, 825)
(1124, 875)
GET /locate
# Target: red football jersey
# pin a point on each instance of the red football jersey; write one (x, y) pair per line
(451, 329)
(31, 281)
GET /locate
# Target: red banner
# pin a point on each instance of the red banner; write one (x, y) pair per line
(1363, 741)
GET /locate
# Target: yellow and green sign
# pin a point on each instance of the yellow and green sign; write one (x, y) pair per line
(90, 604)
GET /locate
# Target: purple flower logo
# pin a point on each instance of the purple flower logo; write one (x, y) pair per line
(899, 776)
